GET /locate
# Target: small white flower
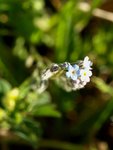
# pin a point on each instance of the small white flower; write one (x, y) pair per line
(85, 75)
(86, 63)
(73, 72)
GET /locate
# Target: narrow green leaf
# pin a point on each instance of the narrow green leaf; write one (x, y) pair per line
(102, 86)
(4, 86)
(95, 121)
(46, 110)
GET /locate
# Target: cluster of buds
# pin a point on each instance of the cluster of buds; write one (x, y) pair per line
(71, 76)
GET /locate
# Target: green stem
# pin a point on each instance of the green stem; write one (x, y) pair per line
(44, 143)
(60, 145)
(7, 73)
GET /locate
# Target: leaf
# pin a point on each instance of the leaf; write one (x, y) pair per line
(22, 135)
(46, 110)
(102, 86)
(33, 126)
(65, 31)
(29, 138)
(4, 86)
(25, 88)
(96, 120)
(29, 130)
(37, 101)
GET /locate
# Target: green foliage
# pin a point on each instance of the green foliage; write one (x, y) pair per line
(34, 33)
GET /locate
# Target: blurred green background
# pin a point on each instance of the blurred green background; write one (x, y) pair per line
(35, 33)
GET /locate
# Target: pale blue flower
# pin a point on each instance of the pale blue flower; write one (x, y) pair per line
(73, 72)
(87, 63)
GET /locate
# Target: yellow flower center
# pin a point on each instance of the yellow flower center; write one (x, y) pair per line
(84, 73)
(73, 72)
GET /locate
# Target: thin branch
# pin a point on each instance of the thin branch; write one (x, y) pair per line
(103, 14)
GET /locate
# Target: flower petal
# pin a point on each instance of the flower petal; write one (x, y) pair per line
(86, 58)
(74, 77)
(89, 73)
(76, 67)
(68, 74)
(70, 68)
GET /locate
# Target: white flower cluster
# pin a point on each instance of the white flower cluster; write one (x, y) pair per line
(79, 74)
(68, 76)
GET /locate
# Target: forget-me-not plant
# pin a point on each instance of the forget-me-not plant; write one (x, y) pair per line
(68, 76)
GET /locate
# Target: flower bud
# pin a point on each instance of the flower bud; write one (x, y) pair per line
(2, 114)
(13, 94)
